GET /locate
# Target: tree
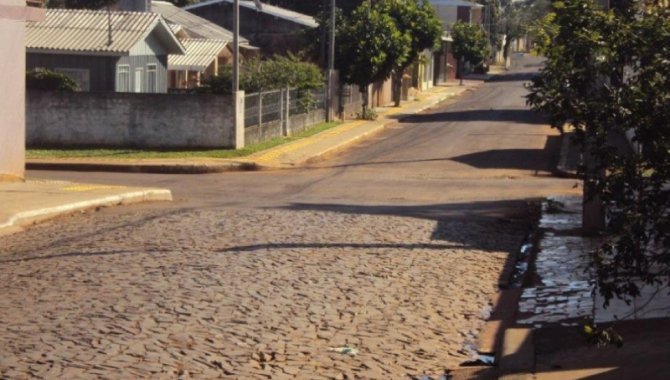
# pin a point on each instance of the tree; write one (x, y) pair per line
(608, 74)
(418, 20)
(369, 47)
(470, 44)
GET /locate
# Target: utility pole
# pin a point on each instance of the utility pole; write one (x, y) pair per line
(236, 46)
(331, 65)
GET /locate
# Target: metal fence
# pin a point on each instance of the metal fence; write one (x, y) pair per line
(279, 105)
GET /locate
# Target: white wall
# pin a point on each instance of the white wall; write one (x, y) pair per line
(12, 90)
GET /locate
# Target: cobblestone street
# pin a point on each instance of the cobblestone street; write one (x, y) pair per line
(247, 294)
(378, 262)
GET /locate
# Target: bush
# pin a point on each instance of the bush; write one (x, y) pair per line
(273, 74)
(48, 80)
(367, 114)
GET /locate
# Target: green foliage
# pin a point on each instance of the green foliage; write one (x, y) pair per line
(517, 18)
(367, 114)
(370, 46)
(418, 20)
(602, 337)
(470, 43)
(47, 80)
(608, 74)
(276, 73)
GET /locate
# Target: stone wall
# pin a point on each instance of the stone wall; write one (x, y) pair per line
(125, 120)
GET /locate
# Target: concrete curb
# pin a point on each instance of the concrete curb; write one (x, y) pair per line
(25, 218)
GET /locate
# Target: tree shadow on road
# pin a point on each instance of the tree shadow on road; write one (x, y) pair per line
(524, 76)
(524, 116)
(491, 216)
(541, 161)
(491, 226)
(537, 160)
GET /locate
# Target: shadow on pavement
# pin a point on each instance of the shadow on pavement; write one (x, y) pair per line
(497, 115)
(524, 76)
(463, 224)
(256, 247)
(561, 352)
(523, 159)
(541, 161)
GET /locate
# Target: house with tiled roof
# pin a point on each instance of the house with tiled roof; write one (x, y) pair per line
(208, 46)
(273, 29)
(104, 50)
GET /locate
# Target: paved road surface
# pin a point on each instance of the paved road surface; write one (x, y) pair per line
(392, 248)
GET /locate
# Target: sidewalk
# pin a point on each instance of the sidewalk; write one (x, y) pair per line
(26, 203)
(283, 156)
(548, 341)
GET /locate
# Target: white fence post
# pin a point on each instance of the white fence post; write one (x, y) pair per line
(260, 112)
(288, 112)
(281, 111)
(238, 119)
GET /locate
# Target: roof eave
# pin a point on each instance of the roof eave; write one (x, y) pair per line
(77, 52)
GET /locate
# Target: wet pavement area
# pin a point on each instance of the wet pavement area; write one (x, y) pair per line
(564, 293)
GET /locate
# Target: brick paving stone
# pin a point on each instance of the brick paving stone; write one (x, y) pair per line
(198, 293)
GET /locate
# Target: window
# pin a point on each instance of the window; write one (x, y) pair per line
(152, 76)
(80, 76)
(138, 79)
(123, 78)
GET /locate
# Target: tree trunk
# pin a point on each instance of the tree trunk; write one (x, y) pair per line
(508, 44)
(593, 209)
(364, 91)
(397, 87)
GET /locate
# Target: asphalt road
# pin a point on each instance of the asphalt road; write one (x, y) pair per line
(483, 155)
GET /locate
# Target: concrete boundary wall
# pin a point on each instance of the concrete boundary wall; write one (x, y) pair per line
(125, 120)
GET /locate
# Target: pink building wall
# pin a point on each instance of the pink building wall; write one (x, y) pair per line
(13, 15)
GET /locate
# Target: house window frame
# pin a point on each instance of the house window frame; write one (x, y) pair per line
(152, 69)
(119, 71)
(138, 71)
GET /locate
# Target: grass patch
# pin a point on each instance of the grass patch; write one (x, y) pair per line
(204, 153)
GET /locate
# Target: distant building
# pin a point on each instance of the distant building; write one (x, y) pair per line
(104, 50)
(450, 11)
(273, 29)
